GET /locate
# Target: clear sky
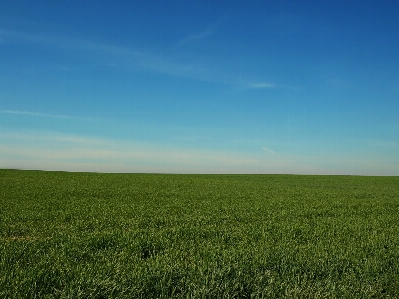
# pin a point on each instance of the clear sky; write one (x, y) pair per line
(278, 86)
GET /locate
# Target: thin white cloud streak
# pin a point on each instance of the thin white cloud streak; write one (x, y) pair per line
(262, 85)
(52, 137)
(208, 31)
(268, 150)
(46, 115)
(194, 37)
(67, 42)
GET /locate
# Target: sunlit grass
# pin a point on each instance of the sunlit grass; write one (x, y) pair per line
(86, 235)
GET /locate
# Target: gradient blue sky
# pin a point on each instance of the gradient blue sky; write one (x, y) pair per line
(200, 86)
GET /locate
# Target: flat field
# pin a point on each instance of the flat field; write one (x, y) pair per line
(88, 235)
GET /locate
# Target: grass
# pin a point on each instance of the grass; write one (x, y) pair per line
(87, 235)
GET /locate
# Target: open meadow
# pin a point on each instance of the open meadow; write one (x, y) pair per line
(92, 235)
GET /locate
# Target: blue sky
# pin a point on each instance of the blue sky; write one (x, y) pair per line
(308, 87)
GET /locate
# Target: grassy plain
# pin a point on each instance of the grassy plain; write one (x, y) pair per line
(88, 235)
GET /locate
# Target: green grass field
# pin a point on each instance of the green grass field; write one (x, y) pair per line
(88, 235)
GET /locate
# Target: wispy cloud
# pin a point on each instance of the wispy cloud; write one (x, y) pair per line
(37, 114)
(33, 136)
(65, 42)
(193, 37)
(268, 150)
(208, 31)
(263, 85)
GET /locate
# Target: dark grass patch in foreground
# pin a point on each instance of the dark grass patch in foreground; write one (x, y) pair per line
(87, 235)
